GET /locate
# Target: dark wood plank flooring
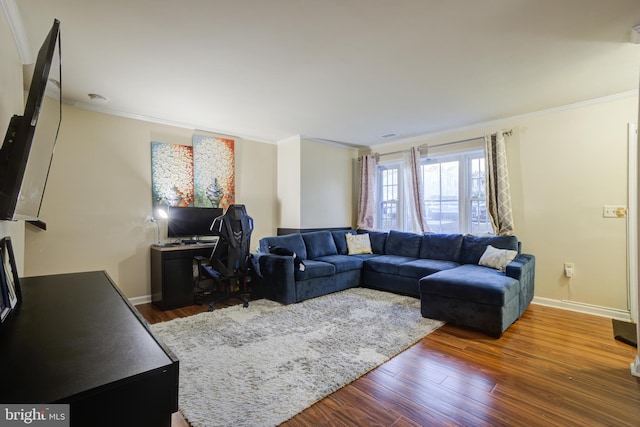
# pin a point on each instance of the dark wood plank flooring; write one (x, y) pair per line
(552, 368)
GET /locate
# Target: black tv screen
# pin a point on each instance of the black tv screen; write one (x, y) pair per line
(191, 221)
(27, 150)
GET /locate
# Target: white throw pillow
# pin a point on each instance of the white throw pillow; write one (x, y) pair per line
(497, 258)
(358, 244)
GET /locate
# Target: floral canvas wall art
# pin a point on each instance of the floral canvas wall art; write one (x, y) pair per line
(172, 174)
(213, 171)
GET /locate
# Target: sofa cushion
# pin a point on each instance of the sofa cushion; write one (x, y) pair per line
(339, 238)
(293, 242)
(445, 247)
(469, 282)
(365, 257)
(389, 264)
(424, 267)
(474, 246)
(378, 240)
(403, 244)
(358, 244)
(319, 243)
(315, 269)
(342, 262)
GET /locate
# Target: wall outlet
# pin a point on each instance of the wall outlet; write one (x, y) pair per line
(568, 269)
(614, 211)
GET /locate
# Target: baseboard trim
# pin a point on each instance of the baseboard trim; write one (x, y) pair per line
(140, 300)
(596, 310)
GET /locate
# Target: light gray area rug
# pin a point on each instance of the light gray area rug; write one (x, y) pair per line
(259, 366)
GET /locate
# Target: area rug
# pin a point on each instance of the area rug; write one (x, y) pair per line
(259, 366)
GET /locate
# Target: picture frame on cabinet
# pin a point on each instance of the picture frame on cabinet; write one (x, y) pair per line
(10, 292)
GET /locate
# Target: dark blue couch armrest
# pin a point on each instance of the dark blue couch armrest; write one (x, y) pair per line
(276, 276)
(523, 269)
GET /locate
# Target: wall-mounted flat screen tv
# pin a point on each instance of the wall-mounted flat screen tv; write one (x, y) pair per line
(191, 222)
(27, 150)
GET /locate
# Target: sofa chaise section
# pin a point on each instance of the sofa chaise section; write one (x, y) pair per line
(477, 296)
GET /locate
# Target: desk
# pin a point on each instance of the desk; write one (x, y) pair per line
(76, 339)
(172, 273)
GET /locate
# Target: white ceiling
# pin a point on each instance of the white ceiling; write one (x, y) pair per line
(343, 70)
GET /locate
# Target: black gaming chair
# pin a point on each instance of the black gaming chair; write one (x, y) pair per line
(230, 259)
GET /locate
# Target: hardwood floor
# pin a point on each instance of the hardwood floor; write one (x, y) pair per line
(551, 368)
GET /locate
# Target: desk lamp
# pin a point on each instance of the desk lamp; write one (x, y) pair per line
(159, 214)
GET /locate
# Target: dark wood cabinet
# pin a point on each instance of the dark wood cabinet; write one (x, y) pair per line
(173, 274)
(77, 340)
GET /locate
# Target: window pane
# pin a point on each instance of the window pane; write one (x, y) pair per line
(389, 202)
(479, 220)
(477, 178)
(480, 223)
(442, 202)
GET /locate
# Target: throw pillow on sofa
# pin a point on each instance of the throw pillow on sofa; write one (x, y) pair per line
(297, 262)
(378, 240)
(474, 246)
(497, 258)
(358, 244)
(341, 241)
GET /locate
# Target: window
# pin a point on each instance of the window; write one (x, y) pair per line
(454, 194)
(389, 197)
(479, 220)
(441, 194)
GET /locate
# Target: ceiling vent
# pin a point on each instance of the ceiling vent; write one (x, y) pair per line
(94, 98)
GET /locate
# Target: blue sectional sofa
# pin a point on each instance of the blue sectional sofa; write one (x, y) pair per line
(443, 270)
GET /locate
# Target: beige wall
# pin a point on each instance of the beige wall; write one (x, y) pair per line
(565, 165)
(98, 199)
(289, 183)
(327, 196)
(315, 187)
(11, 102)
(571, 164)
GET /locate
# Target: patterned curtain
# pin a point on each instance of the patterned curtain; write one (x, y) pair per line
(497, 182)
(414, 189)
(367, 202)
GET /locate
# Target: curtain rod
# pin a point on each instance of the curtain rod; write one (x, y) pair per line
(422, 147)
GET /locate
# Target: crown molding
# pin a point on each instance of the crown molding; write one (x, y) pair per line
(192, 126)
(17, 29)
(334, 143)
(507, 121)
